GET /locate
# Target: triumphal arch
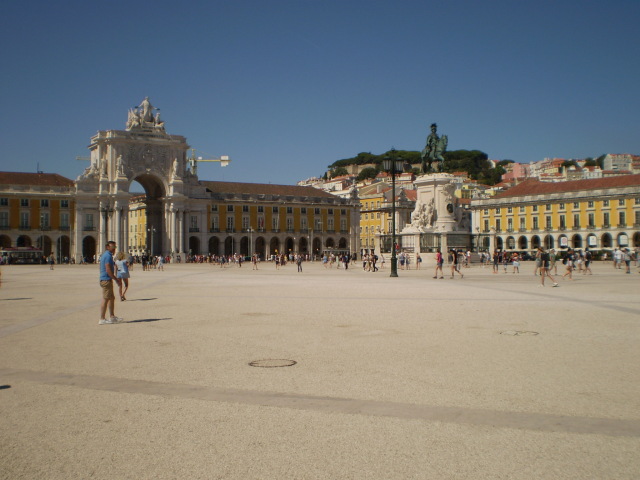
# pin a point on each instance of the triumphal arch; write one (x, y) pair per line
(145, 153)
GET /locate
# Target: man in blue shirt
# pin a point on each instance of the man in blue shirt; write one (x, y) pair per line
(107, 275)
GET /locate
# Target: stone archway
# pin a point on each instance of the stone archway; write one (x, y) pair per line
(244, 246)
(636, 239)
(548, 242)
(535, 242)
(63, 248)
(5, 241)
(89, 249)
(317, 246)
(23, 241)
(214, 246)
(342, 243)
(228, 246)
(606, 241)
(146, 154)
(522, 243)
(274, 246)
(576, 241)
(330, 243)
(289, 246)
(260, 245)
(623, 240)
(194, 245)
(511, 243)
(303, 246)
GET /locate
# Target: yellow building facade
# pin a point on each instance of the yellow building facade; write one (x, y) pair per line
(37, 211)
(599, 214)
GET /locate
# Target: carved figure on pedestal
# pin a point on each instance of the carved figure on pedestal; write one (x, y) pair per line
(119, 165)
(433, 150)
(104, 168)
(174, 171)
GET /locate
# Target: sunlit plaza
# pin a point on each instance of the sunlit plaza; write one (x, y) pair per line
(240, 374)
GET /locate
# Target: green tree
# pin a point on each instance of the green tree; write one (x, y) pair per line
(590, 162)
(368, 172)
(338, 172)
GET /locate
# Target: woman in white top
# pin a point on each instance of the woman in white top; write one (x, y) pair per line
(122, 267)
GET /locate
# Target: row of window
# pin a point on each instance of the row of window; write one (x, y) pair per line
(591, 221)
(561, 206)
(25, 220)
(276, 209)
(25, 202)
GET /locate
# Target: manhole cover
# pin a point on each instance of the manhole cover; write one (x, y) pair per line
(272, 363)
(518, 333)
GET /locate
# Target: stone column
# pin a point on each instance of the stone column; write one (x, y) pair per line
(76, 247)
(117, 215)
(103, 225)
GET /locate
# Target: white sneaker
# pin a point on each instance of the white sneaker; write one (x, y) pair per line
(115, 319)
(104, 321)
(556, 284)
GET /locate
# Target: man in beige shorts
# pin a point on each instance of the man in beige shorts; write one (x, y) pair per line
(107, 276)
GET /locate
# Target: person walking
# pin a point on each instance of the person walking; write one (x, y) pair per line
(568, 262)
(587, 262)
(455, 266)
(299, 262)
(544, 267)
(515, 260)
(439, 262)
(122, 266)
(107, 276)
(51, 261)
(418, 261)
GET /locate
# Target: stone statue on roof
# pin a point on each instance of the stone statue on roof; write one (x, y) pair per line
(143, 118)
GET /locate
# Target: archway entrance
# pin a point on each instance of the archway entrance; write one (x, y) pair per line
(289, 246)
(260, 247)
(228, 246)
(342, 244)
(636, 239)
(152, 222)
(214, 246)
(23, 241)
(522, 243)
(317, 246)
(511, 243)
(44, 243)
(274, 246)
(89, 249)
(535, 242)
(548, 242)
(244, 246)
(5, 241)
(63, 250)
(194, 245)
(576, 241)
(303, 246)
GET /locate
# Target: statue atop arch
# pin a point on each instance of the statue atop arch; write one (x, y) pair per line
(143, 118)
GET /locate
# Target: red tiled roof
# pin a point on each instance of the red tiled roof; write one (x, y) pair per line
(533, 186)
(264, 189)
(411, 195)
(43, 179)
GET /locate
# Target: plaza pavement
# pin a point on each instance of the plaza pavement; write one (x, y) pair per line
(410, 377)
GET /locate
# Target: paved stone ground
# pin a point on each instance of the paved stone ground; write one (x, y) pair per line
(395, 378)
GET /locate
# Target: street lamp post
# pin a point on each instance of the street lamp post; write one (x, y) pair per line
(251, 242)
(393, 165)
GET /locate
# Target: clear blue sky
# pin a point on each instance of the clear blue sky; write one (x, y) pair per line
(286, 87)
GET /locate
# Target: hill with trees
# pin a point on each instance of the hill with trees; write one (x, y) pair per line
(474, 162)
